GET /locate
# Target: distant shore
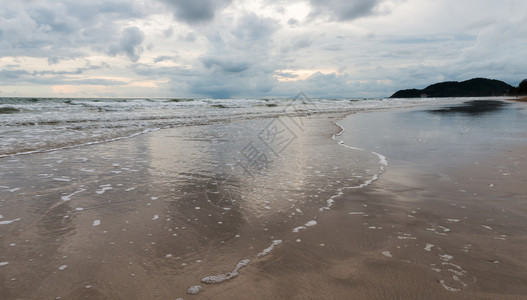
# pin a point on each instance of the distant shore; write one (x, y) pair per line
(520, 99)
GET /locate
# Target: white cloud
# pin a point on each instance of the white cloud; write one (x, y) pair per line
(241, 48)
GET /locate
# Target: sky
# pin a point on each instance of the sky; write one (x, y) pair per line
(255, 48)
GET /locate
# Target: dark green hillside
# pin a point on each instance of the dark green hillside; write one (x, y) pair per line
(477, 87)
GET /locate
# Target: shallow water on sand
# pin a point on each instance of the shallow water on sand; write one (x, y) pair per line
(155, 214)
(272, 206)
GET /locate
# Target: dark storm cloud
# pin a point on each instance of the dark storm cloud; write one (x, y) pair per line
(293, 22)
(12, 75)
(53, 77)
(298, 43)
(286, 75)
(227, 65)
(166, 58)
(129, 44)
(344, 10)
(196, 11)
(238, 60)
(251, 27)
(234, 84)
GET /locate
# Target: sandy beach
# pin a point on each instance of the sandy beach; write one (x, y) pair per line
(521, 99)
(415, 203)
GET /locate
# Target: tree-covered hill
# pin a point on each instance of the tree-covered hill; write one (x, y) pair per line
(477, 87)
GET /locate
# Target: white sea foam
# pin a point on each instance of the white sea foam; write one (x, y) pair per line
(382, 159)
(194, 290)
(444, 228)
(406, 236)
(104, 188)
(387, 253)
(9, 221)
(48, 122)
(297, 229)
(428, 247)
(96, 223)
(269, 249)
(65, 179)
(311, 223)
(450, 289)
(227, 276)
(68, 197)
(63, 267)
(435, 231)
(446, 257)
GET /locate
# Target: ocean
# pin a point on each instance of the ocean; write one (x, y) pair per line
(30, 125)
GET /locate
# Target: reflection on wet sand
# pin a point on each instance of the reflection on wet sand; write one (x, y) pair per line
(123, 219)
(199, 211)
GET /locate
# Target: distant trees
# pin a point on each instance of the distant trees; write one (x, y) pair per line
(476, 87)
(522, 88)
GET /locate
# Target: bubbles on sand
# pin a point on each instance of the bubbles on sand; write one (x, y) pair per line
(194, 290)
(227, 276)
(305, 226)
(387, 253)
(269, 249)
(104, 188)
(429, 247)
(9, 221)
(68, 197)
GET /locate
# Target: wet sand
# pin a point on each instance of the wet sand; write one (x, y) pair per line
(446, 220)
(521, 99)
(149, 217)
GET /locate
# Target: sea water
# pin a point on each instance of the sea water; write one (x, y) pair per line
(40, 124)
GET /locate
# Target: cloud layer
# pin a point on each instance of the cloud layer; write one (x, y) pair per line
(240, 48)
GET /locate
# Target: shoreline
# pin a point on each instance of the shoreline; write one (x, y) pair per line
(104, 195)
(437, 230)
(152, 210)
(519, 99)
(113, 131)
